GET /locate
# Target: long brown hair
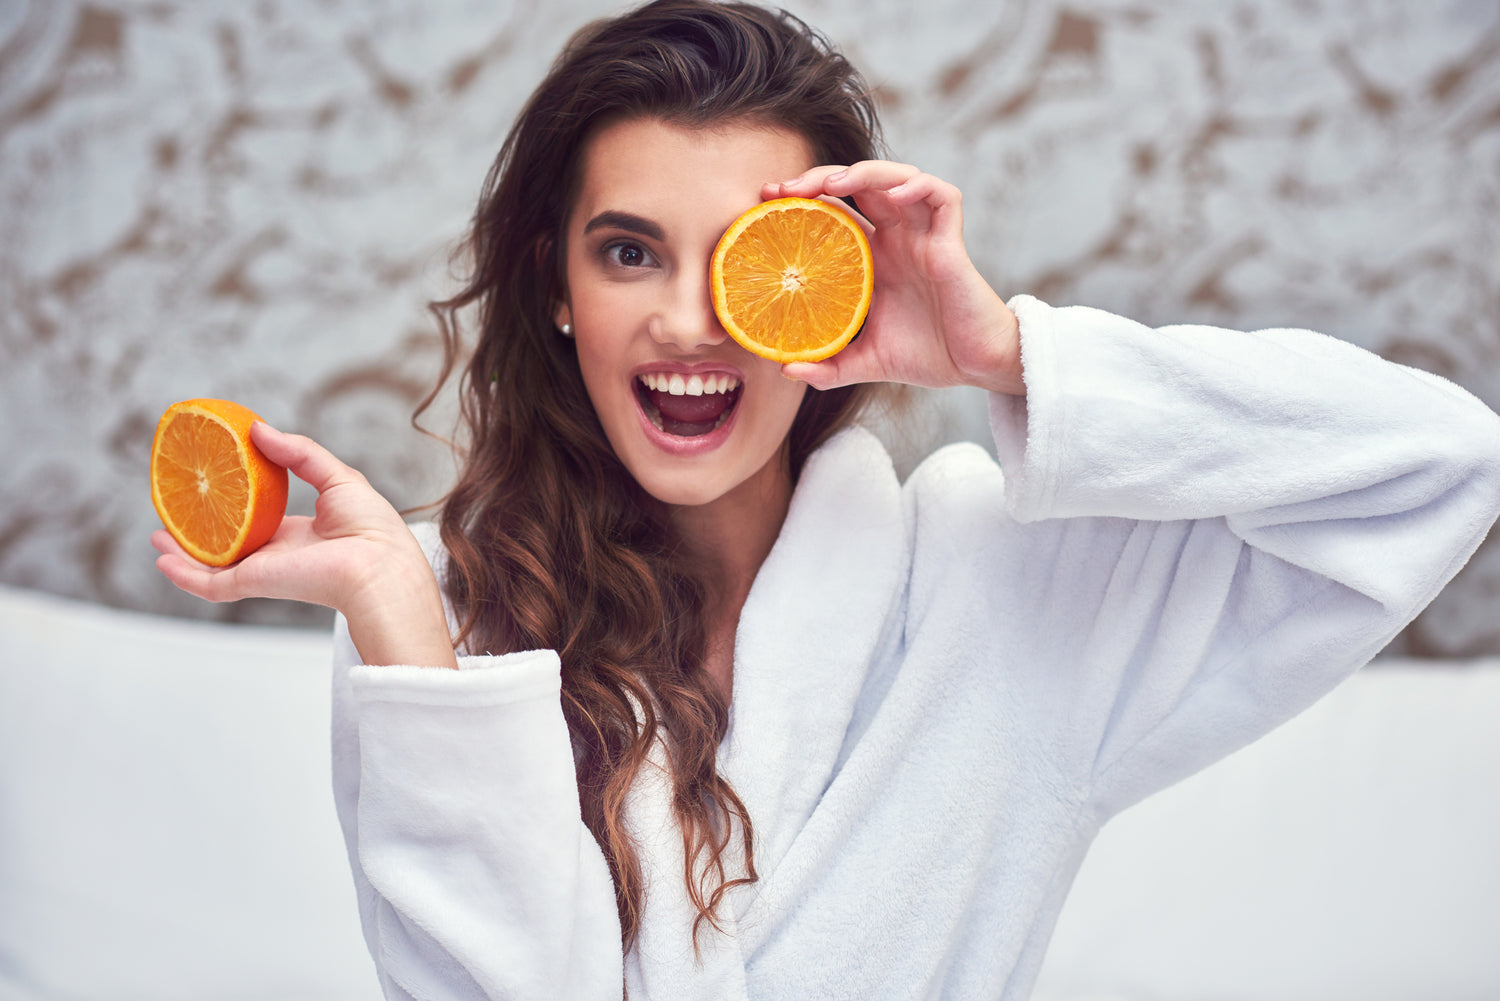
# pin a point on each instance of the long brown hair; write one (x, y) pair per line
(551, 542)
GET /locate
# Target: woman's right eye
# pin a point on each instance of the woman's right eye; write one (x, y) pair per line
(628, 255)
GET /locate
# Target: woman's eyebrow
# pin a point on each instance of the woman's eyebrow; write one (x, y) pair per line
(624, 220)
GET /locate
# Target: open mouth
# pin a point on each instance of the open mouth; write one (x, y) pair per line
(687, 405)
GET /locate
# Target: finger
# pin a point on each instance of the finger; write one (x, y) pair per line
(929, 203)
(191, 575)
(184, 572)
(168, 547)
(302, 457)
(807, 185)
(854, 211)
(163, 542)
(869, 175)
(246, 579)
(846, 368)
(812, 185)
(893, 194)
(187, 574)
(869, 184)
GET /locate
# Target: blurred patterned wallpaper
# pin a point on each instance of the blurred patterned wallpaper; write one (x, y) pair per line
(255, 200)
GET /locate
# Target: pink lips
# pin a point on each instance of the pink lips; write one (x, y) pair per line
(686, 445)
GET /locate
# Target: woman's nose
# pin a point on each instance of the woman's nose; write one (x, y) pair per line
(687, 319)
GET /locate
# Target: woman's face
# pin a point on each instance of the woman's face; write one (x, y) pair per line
(689, 412)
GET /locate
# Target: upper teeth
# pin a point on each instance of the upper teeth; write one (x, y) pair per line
(691, 385)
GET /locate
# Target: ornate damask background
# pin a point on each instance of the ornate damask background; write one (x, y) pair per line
(255, 200)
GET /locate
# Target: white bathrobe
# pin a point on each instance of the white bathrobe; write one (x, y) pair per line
(941, 689)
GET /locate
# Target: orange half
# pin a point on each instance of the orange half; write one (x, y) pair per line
(215, 492)
(792, 279)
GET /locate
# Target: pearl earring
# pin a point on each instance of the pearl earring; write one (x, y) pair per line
(566, 330)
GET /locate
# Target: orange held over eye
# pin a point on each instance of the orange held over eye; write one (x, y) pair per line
(216, 493)
(792, 279)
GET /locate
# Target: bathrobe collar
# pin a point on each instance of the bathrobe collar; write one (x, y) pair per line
(806, 637)
(808, 633)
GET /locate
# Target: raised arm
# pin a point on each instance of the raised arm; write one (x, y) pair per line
(934, 321)
(474, 872)
(354, 555)
(1218, 526)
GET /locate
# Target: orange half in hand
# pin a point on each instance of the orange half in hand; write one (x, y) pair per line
(215, 492)
(792, 279)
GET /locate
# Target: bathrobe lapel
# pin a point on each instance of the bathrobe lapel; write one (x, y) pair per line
(807, 635)
(667, 964)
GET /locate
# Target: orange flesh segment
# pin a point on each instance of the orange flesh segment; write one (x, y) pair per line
(202, 481)
(793, 279)
(771, 290)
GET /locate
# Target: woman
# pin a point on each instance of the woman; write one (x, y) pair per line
(738, 715)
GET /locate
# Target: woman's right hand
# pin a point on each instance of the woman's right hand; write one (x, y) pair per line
(355, 555)
(934, 320)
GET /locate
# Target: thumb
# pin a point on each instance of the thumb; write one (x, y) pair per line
(302, 457)
(850, 366)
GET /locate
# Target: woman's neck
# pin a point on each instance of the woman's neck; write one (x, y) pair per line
(730, 537)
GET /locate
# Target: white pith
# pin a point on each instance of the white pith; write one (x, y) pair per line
(676, 384)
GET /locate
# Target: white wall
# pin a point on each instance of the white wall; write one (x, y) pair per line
(254, 200)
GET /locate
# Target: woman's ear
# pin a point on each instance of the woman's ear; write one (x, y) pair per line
(561, 314)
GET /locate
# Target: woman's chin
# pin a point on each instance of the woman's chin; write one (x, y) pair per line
(705, 479)
(679, 490)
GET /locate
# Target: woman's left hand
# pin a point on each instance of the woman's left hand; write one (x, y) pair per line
(934, 321)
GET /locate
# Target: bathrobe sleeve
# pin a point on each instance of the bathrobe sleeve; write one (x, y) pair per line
(1220, 526)
(474, 873)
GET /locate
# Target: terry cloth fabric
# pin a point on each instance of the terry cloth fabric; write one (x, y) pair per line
(941, 689)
